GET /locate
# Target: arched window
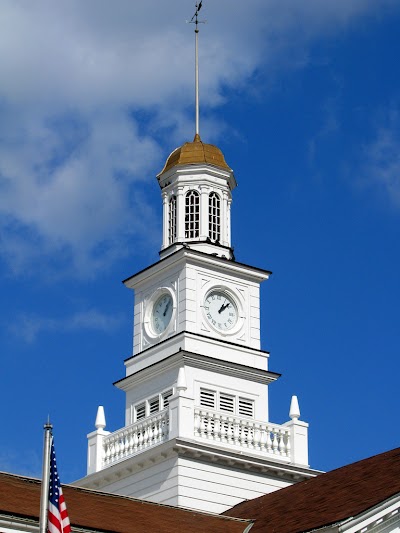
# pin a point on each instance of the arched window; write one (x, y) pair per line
(172, 220)
(214, 217)
(192, 215)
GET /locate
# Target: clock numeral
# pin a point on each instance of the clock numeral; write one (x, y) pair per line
(213, 297)
(230, 321)
(206, 308)
(214, 322)
(230, 314)
(218, 296)
(209, 316)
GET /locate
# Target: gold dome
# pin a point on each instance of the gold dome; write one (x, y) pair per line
(194, 153)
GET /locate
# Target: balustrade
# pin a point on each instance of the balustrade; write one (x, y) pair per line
(226, 429)
(242, 432)
(135, 438)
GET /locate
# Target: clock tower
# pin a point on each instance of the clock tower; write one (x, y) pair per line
(197, 431)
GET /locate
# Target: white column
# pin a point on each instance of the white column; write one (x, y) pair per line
(224, 219)
(228, 222)
(165, 220)
(180, 215)
(204, 191)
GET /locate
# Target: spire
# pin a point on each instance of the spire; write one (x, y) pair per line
(195, 20)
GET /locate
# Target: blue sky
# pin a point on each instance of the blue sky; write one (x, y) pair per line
(303, 99)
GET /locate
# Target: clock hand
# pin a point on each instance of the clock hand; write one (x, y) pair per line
(166, 308)
(223, 307)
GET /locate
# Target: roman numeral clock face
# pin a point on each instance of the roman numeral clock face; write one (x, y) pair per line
(220, 310)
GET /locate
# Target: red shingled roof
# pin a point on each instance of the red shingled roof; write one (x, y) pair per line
(20, 496)
(325, 499)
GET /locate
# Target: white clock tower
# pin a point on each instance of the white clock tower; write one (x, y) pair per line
(197, 431)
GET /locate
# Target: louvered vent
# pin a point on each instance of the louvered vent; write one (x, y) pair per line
(246, 407)
(226, 403)
(207, 398)
(154, 405)
(140, 411)
(165, 398)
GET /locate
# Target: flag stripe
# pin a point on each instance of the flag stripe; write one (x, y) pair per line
(57, 521)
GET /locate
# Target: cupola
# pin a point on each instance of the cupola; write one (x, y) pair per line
(196, 184)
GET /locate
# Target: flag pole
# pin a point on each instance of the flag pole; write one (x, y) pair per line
(44, 497)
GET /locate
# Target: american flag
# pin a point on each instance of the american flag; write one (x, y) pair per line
(57, 520)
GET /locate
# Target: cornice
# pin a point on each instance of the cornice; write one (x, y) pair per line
(184, 255)
(210, 453)
(184, 357)
(248, 462)
(182, 334)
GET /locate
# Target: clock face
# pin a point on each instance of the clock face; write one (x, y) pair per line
(220, 309)
(161, 313)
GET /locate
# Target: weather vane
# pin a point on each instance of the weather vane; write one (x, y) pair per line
(195, 20)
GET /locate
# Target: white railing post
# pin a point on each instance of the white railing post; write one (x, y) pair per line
(298, 442)
(181, 411)
(95, 443)
(95, 450)
(298, 435)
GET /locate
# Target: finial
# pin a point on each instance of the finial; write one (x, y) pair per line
(47, 425)
(100, 418)
(195, 20)
(294, 411)
(181, 382)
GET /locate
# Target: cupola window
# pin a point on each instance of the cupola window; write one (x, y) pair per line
(172, 220)
(192, 215)
(214, 217)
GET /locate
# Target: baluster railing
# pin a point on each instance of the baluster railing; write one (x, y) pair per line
(135, 438)
(242, 432)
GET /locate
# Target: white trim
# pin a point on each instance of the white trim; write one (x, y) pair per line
(374, 519)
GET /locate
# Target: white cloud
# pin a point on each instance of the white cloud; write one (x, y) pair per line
(75, 152)
(382, 159)
(69, 182)
(30, 326)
